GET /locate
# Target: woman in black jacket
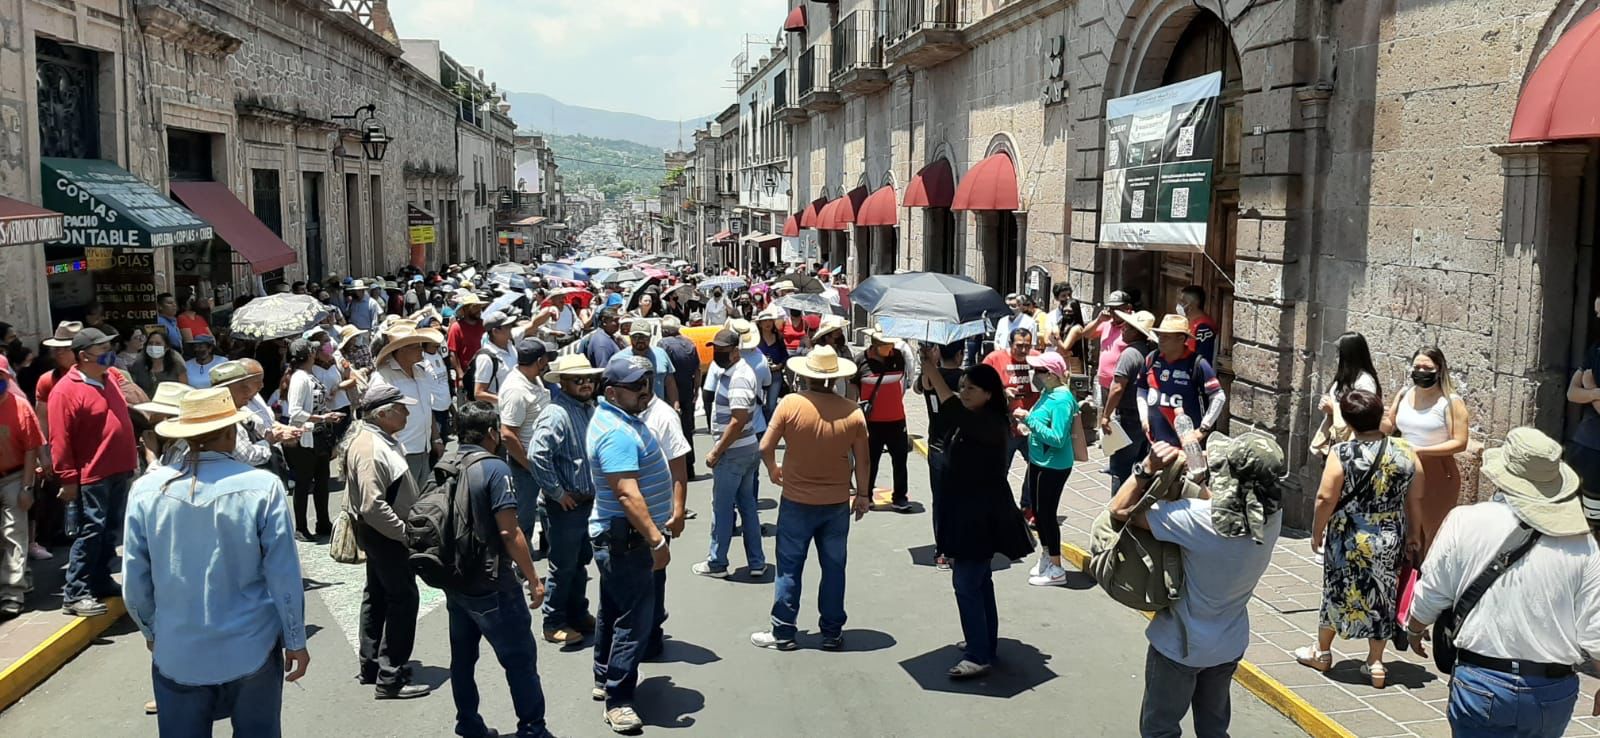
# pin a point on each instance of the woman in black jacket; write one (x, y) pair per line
(974, 515)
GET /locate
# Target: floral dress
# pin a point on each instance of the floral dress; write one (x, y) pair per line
(1366, 538)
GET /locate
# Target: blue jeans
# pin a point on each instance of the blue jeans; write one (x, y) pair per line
(1120, 465)
(733, 486)
(98, 512)
(973, 580)
(1170, 689)
(502, 619)
(252, 703)
(1486, 703)
(627, 610)
(566, 579)
(526, 489)
(798, 525)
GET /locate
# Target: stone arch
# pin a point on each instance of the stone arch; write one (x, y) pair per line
(1566, 13)
(1002, 141)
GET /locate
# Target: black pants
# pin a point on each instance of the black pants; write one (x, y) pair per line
(686, 419)
(389, 605)
(1047, 485)
(890, 435)
(310, 471)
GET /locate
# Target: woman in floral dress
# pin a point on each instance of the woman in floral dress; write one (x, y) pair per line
(1369, 516)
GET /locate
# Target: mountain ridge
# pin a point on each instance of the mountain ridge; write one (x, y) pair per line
(538, 111)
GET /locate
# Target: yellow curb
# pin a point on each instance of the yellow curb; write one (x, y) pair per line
(1271, 691)
(35, 666)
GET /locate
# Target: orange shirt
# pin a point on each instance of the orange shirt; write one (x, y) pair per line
(19, 432)
(818, 429)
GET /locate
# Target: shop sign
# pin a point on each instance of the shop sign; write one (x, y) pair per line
(1160, 146)
(1055, 72)
(41, 229)
(420, 227)
(108, 207)
(126, 287)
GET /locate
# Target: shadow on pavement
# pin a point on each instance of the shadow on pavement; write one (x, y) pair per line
(122, 626)
(430, 674)
(663, 704)
(1019, 668)
(923, 556)
(312, 585)
(856, 640)
(684, 652)
(311, 630)
(766, 503)
(1401, 673)
(742, 574)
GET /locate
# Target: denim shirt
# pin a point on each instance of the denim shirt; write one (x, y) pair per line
(556, 450)
(212, 576)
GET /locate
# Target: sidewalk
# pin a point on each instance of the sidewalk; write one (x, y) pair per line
(37, 643)
(1283, 616)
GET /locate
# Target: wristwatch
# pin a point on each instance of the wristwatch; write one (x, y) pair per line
(1141, 471)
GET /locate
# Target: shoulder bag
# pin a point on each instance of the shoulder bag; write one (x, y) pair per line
(1455, 616)
(1366, 478)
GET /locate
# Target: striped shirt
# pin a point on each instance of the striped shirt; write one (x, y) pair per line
(738, 389)
(621, 443)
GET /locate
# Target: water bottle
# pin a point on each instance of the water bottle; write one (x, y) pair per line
(1193, 455)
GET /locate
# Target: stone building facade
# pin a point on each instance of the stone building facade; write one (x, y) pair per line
(1365, 180)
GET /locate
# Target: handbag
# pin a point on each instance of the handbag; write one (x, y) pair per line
(343, 545)
(1366, 477)
(1453, 617)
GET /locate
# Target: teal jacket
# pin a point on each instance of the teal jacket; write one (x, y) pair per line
(1050, 429)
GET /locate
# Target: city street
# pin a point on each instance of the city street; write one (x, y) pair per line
(1069, 657)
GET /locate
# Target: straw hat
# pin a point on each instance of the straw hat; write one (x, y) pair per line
(829, 324)
(201, 412)
(749, 337)
(570, 365)
(822, 363)
(783, 285)
(65, 330)
(1172, 324)
(877, 336)
(1142, 320)
(168, 397)
(770, 312)
(1543, 491)
(346, 332)
(400, 334)
(357, 285)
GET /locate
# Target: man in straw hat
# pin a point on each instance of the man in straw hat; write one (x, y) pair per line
(1517, 647)
(260, 435)
(737, 424)
(881, 381)
(1122, 400)
(822, 433)
(558, 472)
(1178, 380)
(209, 541)
(381, 489)
(399, 365)
(465, 335)
(20, 441)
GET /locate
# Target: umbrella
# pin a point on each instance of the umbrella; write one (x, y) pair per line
(503, 303)
(804, 283)
(727, 283)
(679, 263)
(684, 287)
(805, 303)
(600, 262)
(623, 276)
(649, 284)
(277, 316)
(928, 296)
(506, 268)
(655, 273)
(930, 331)
(562, 271)
(574, 294)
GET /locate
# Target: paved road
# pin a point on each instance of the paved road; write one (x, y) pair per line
(1072, 660)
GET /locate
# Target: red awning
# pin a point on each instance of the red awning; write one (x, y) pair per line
(839, 214)
(723, 235)
(22, 222)
(991, 185)
(1559, 101)
(791, 226)
(235, 224)
(933, 187)
(808, 217)
(796, 22)
(879, 209)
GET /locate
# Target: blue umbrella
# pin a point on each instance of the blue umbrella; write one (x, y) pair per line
(929, 331)
(563, 271)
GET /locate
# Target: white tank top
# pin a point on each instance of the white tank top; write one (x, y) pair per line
(1425, 427)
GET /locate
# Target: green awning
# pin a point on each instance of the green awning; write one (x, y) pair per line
(107, 207)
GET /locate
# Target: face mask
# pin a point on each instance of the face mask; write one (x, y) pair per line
(5, 386)
(108, 358)
(327, 349)
(1424, 378)
(1181, 310)
(155, 352)
(1038, 382)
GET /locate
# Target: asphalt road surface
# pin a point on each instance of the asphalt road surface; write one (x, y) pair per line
(1071, 659)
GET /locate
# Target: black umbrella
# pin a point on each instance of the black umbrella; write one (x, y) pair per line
(648, 284)
(928, 296)
(804, 283)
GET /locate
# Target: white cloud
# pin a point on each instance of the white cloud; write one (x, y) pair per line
(663, 59)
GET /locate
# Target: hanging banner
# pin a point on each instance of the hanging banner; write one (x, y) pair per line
(1160, 147)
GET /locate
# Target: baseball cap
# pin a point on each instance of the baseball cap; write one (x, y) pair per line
(530, 351)
(639, 328)
(499, 319)
(725, 338)
(380, 395)
(89, 337)
(1119, 298)
(627, 369)
(1049, 361)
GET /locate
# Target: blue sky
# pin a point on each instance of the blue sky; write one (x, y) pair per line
(669, 60)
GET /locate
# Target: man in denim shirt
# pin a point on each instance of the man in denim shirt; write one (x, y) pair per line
(559, 467)
(209, 541)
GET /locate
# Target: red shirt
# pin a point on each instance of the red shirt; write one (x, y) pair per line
(19, 432)
(1017, 375)
(91, 435)
(196, 325)
(464, 340)
(792, 335)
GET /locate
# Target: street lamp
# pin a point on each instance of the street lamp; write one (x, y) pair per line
(374, 137)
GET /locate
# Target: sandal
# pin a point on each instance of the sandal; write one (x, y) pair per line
(967, 670)
(1310, 656)
(1376, 673)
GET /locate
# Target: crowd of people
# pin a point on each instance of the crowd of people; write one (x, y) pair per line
(560, 416)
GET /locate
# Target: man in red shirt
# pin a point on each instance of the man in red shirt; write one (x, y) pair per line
(94, 456)
(1012, 364)
(466, 336)
(20, 440)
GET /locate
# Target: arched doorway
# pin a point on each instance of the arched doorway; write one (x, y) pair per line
(1002, 253)
(939, 241)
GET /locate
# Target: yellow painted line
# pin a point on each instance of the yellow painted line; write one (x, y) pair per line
(1271, 691)
(38, 664)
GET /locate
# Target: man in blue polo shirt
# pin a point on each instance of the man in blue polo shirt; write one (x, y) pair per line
(627, 528)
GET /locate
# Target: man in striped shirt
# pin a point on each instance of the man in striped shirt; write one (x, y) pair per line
(627, 528)
(737, 422)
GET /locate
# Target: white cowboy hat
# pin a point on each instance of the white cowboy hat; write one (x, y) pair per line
(829, 324)
(356, 285)
(771, 312)
(1541, 489)
(400, 334)
(65, 330)
(201, 412)
(749, 337)
(1143, 320)
(168, 397)
(822, 363)
(1172, 324)
(570, 365)
(876, 335)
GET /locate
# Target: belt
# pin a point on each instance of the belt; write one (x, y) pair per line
(1518, 667)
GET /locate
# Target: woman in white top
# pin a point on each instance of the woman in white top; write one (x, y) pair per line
(309, 457)
(1355, 372)
(717, 308)
(1433, 419)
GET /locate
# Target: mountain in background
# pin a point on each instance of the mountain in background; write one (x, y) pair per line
(534, 111)
(615, 167)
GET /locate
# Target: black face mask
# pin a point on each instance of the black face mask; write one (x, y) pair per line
(1424, 378)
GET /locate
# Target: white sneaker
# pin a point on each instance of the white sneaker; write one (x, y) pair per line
(1052, 576)
(1038, 566)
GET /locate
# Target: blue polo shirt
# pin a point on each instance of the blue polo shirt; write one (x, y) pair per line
(621, 443)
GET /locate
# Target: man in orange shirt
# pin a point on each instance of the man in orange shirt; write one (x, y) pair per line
(20, 439)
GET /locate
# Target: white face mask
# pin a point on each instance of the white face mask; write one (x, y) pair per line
(1181, 310)
(155, 352)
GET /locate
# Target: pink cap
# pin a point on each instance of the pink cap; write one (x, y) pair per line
(1051, 362)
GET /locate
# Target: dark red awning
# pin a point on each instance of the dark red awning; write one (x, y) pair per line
(22, 222)
(1559, 101)
(839, 214)
(933, 187)
(243, 231)
(796, 22)
(791, 225)
(808, 217)
(991, 185)
(879, 209)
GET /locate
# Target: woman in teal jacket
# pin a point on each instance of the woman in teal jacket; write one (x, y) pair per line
(1049, 429)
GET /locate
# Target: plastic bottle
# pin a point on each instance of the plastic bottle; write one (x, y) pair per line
(1193, 455)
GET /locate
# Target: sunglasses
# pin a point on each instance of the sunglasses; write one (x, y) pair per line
(581, 380)
(634, 388)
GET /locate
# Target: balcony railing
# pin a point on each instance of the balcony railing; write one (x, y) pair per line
(906, 17)
(815, 64)
(858, 42)
(780, 90)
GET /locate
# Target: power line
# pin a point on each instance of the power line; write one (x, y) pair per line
(608, 164)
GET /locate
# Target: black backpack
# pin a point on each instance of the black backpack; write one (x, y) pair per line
(445, 550)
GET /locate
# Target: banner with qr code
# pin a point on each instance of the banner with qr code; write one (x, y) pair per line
(1160, 146)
